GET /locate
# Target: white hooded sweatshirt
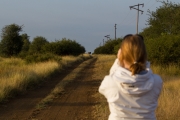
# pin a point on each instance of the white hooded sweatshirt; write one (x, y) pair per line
(131, 97)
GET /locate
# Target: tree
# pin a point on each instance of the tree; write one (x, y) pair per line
(37, 44)
(26, 45)
(11, 43)
(26, 42)
(165, 20)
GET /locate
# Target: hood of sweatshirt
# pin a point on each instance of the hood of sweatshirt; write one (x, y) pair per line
(136, 85)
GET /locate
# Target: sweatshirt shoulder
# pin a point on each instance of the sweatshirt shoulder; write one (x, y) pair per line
(157, 77)
(108, 81)
(109, 89)
(114, 66)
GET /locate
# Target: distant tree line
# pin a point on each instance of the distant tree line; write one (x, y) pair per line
(110, 47)
(162, 36)
(16, 45)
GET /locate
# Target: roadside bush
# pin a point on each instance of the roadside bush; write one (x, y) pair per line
(164, 49)
(64, 47)
(25, 47)
(37, 44)
(110, 47)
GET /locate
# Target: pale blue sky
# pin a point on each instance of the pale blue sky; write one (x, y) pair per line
(86, 21)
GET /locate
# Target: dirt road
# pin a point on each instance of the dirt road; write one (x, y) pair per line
(76, 103)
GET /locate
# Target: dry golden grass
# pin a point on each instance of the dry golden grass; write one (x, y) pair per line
(16, 75)
(102, 66)
(169, 102)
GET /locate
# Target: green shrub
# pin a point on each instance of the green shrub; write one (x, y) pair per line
(64, 47)
(164, 49)
(110, 47)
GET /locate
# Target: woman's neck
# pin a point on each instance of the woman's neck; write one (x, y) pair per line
(125, 65)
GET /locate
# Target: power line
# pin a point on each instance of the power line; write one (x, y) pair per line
(141, 1)
(148, 2)
(131, 21)
(152, 5)
(124, 18)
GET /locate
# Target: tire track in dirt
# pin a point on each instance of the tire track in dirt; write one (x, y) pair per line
(77, 102)
(21, 107)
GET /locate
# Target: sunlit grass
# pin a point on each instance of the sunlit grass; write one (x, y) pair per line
(16, 76)
(102, 66)
(105, 62)
(166, 70)
(169, 102)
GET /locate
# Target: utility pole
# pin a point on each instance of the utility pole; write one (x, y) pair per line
(115, 31)
(137, 13)
(107, 36)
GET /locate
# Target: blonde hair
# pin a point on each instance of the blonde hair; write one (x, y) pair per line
(133, 52)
